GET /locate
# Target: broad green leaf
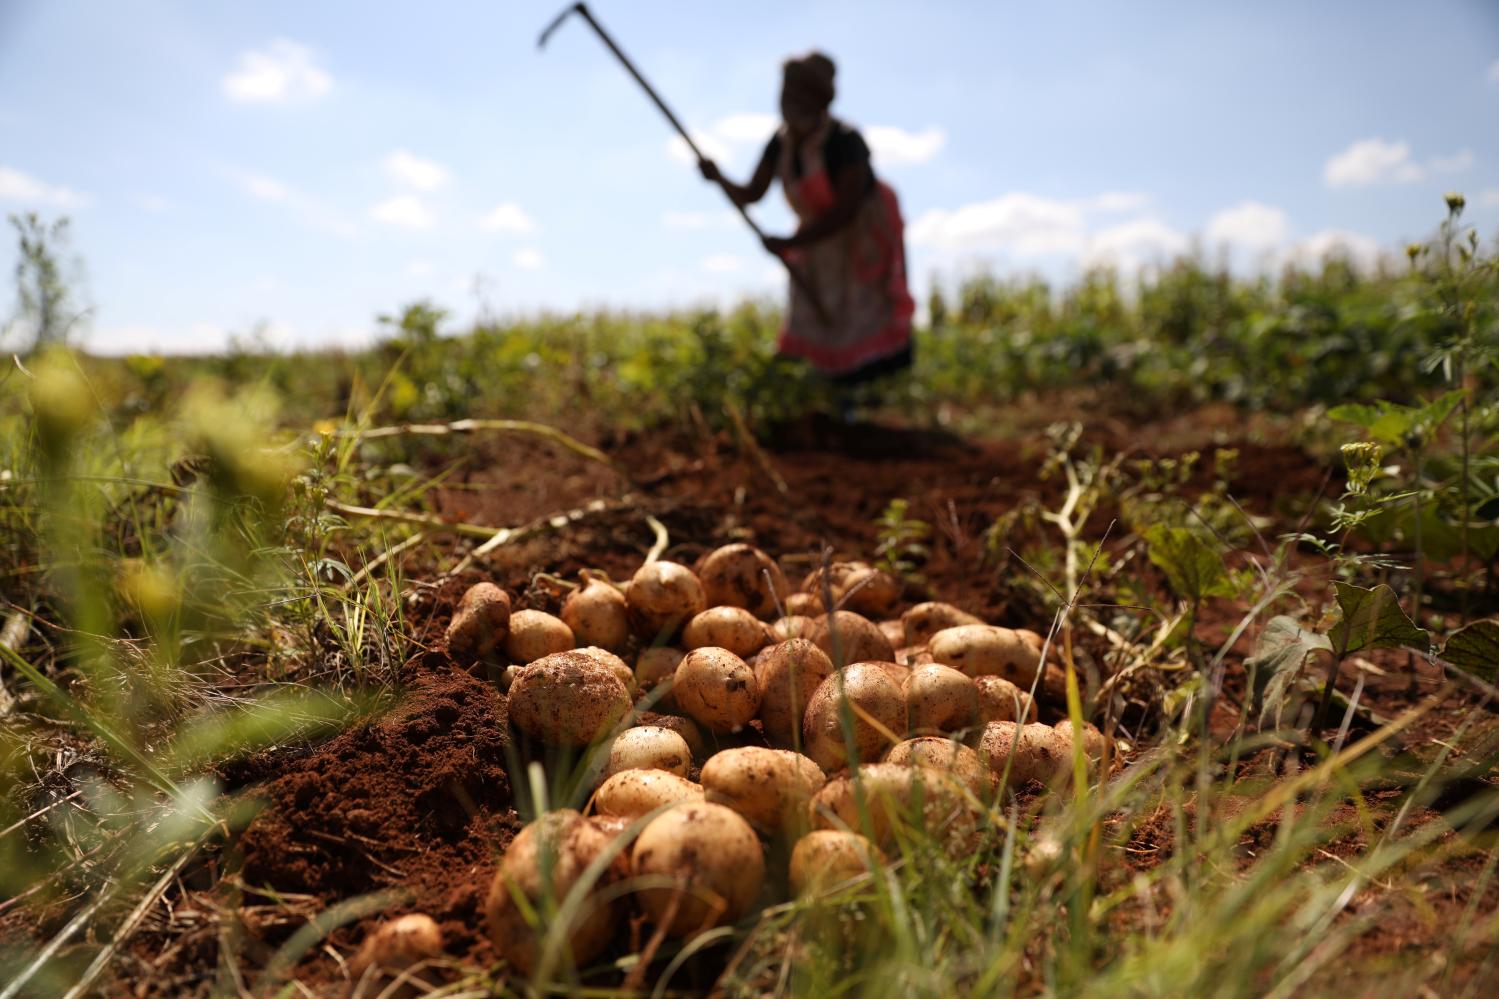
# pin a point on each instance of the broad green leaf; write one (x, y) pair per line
(1475, 650)
(1389, 423)
(1192, 565)
(1372, 619)
(1277, 661)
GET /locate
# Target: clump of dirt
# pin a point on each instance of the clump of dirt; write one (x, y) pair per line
(418, 799)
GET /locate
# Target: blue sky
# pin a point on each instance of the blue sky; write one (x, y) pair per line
(304, 166)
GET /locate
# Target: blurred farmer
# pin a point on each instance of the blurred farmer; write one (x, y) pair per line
(849, 243)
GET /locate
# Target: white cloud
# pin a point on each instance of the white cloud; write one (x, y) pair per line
(714, 148)
(747, 127)
(1119, 201)
(263, 188)
(508, 217)
(1361, 250)
(722, 263)
(894, 146)
(528, 258)
(406, 211)
(1131, 245)
(282, 72)
(18, 186)
(1494, 72)
(1024, 224)
(1462, 160)
(419, 268)
(1250, 225)
(309, 211)
(411, 170)
(153, 203)
(1372, 161)
(698, 220)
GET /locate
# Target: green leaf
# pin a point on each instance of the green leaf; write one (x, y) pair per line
(1475, 650)
(1389, 423)
(1193, 567)
(1372, 619)
(1277, 660)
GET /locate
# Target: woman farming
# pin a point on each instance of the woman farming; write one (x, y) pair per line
(849, 245)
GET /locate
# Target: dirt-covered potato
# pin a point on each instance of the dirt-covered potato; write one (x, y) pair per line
(878, 716)
(480, 622)
(894, 632)
(648, 747)
(788, 674)
(548, 856)
(858, 587)
(923, 621)
(616, 665)
(1095, 743)
(895, 793)
(793, 626)
(945, 756)
(895, 671)
(847, 637)
(717, 689)
(741, 575)
(399, 943)
(732, 628)
(567, 699)
(826, 858)
(1033, 752)
(1001, 700)
(769, 787)
(534, 634)
(940, 700)
(714, 857)
(986, 650)
(597, 614)
(685, 727)
(662, 597)
(656, 667)
(804, 605)
(913, 656)
(634, 792)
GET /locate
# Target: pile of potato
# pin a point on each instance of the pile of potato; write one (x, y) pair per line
(926, 712)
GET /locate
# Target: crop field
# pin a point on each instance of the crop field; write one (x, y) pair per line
(1141, 641)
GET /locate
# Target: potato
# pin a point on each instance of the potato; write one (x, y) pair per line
(1001, 700)
(848, 638)
(858, 587)
(894, 632)
(1095, 744)
(567, 699)
(804, 605)
(940, 700)
(788, 674)
(914, 655)
(895, 671)
(597, 614)
(398, 944)
(732, 628)
(923, 621)
(549, 856)
(507, 678)
(632, 793)
(897, 794)
(741, 575)
(771, 788)
(661, 598)
(712, 854)
(878, 716)
(480, 622)
(616, 665)
(716, 688)
(656, 667)
(791, 626)
(685, 727)
(648, 747)
(826, 858)
(986, 650)
(534, 634)
(945, 756)
(1038, 753)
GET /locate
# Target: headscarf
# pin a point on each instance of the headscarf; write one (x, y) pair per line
(809, 79)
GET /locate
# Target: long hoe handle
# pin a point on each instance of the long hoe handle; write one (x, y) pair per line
(797, 278)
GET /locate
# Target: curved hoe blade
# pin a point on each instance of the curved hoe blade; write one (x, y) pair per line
(557, 23)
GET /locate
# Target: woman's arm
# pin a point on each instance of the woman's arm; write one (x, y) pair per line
(744, 194)
(849, 187)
